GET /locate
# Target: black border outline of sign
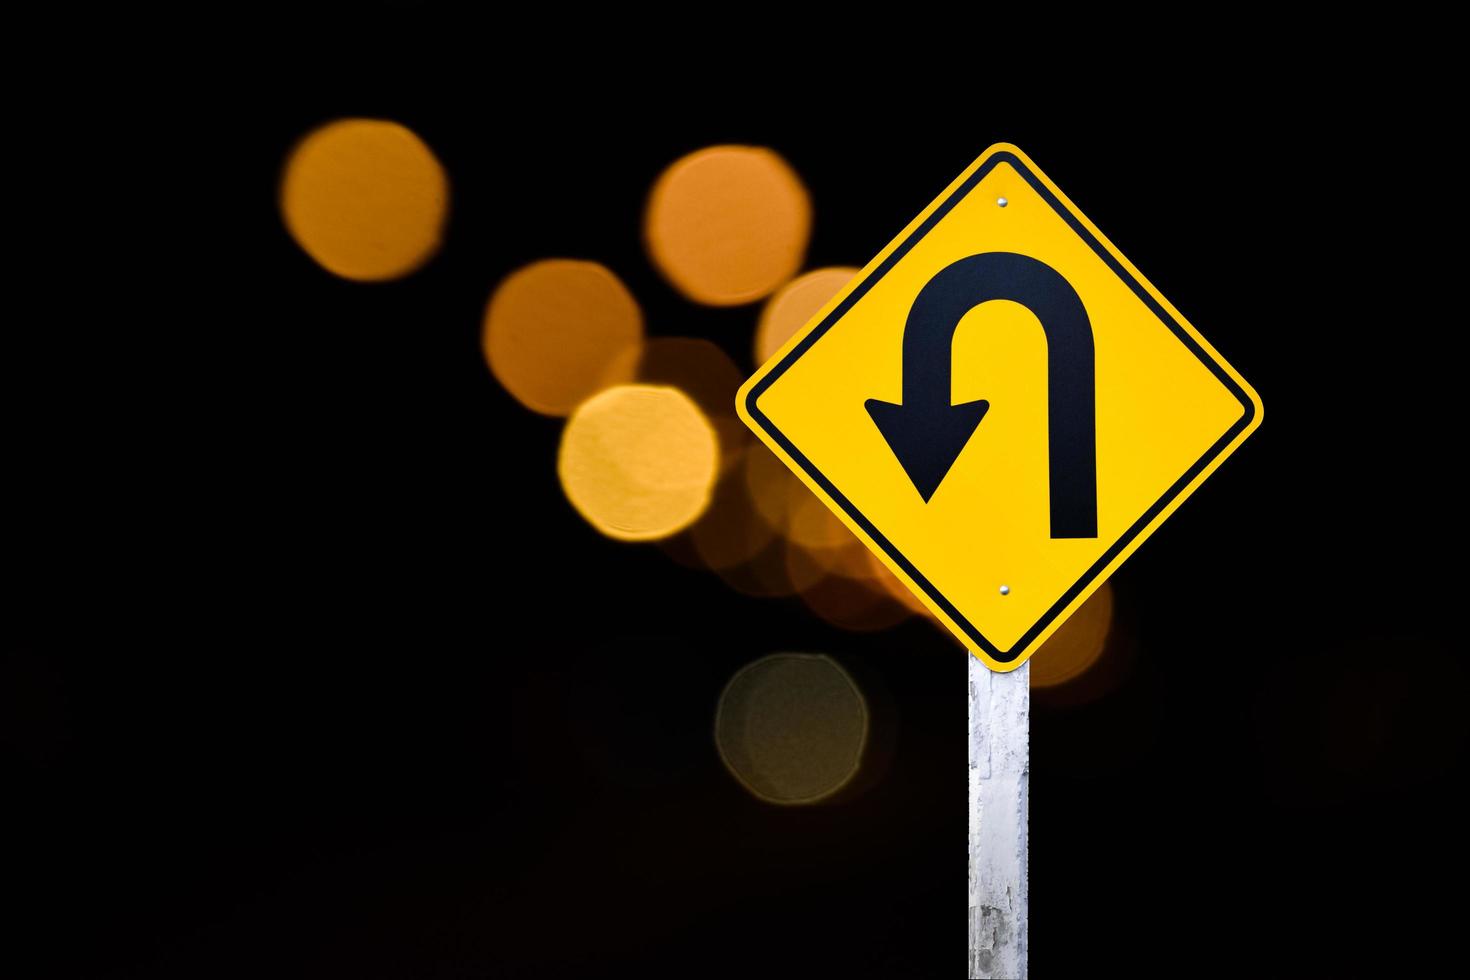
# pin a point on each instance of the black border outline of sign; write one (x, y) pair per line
(1211, 454)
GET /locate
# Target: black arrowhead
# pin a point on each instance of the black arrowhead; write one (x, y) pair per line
(926, 438)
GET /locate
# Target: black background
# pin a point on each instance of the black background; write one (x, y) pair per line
(316, 673)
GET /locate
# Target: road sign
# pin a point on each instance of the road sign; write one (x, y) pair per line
(1001, 407)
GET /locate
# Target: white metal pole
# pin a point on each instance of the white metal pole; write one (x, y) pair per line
(1000, 764)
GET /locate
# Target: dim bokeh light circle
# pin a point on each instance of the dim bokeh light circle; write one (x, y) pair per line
(638, 461)
(854, 604)
(771, 487)
(884, 579)
(810, 524)
(558, 331)
(727, 225)
(804, 567)
(764, 576)
(791, 728)
(365, 198)
(796, 303)
(1077, 644)
(731, 533)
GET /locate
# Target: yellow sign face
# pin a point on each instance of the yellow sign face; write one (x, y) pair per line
(1001, 407)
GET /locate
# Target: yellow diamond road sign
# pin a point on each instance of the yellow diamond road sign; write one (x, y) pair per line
(1001, 407)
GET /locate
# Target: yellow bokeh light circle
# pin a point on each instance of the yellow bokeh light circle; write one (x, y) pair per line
(853, 604)
(811, 525)
(771, 487)
(365, 198)
(792, 728)
(796, 303)
(1077, 644)
(699, 369)
(638, 461)
(558, 331)
(883, 578)
(731, 532)
(727, 225)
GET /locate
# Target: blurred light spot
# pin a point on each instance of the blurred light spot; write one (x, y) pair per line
(700, 370)
(365, 198)
(822, 559)
(1077, 644)
(811, 524)
(853, 604)
(847, 559)
(771, 486)
(558, 331)
(765, 576)
(728, 224)
(680, 547)
(1357, 716)
(892, 585)
(803, 567)
(796, 303)
(789, 506)
(792, 727)
(731, 532)
(638, 461)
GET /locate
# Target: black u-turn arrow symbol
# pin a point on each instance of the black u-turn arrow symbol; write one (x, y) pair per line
(927, 433)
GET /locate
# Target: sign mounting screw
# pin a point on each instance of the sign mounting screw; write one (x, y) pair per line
(1002, 201)
(1005, 590)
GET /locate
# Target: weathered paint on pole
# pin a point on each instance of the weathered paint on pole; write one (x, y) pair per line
(1000, 764)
